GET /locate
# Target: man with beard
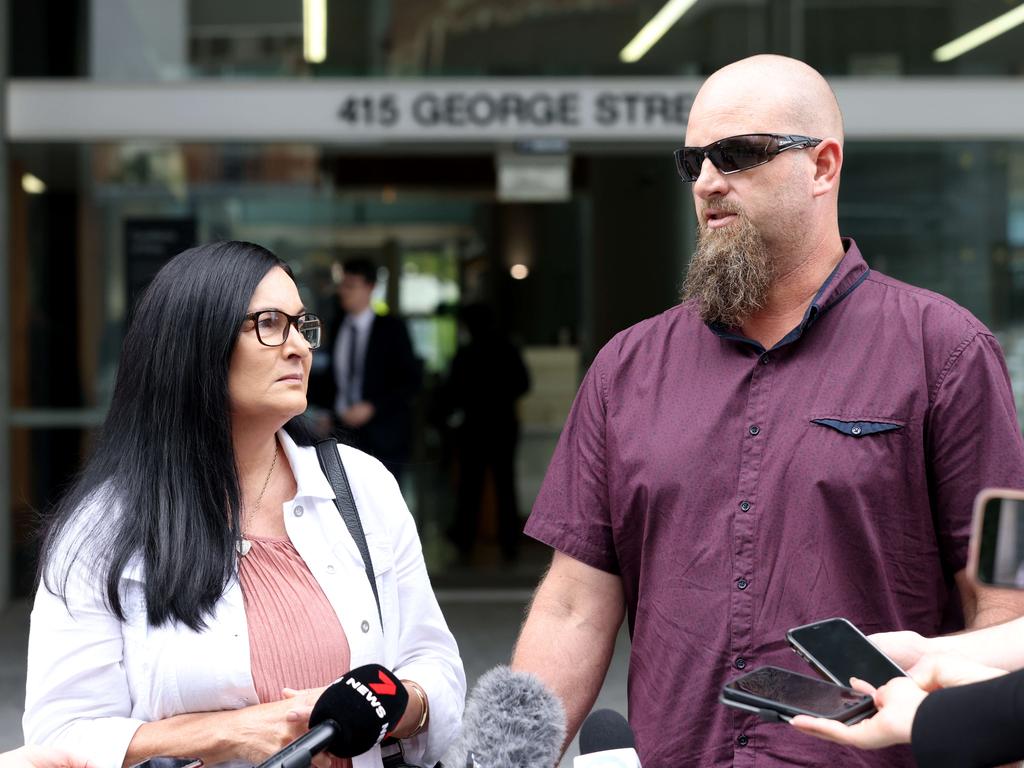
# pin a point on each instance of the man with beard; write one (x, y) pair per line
(801, 438)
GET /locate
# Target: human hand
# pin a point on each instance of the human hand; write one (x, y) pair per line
(264, 729)
(897, 702)
(42, 757)
(945, 670)
(303, 708)
(905, 648)
(358, 415)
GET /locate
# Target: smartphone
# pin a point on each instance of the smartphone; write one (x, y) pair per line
(839, 651)
(170, 762)
(997, 543)
(779, 694)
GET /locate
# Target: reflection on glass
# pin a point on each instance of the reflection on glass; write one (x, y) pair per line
(1001, 548)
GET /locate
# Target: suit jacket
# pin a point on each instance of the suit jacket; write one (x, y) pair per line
(392, 375)
(971, 726)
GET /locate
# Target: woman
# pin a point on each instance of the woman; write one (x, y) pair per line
(199, 587)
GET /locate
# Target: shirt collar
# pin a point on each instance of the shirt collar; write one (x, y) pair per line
(309, 479)
(363, 320)
(850, 272)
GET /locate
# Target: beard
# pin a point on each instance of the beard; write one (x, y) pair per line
(731, 271)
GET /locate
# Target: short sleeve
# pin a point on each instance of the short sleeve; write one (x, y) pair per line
(572, 512)
(974, 441)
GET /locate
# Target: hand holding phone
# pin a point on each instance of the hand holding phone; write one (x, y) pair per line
(780, 694)
(838, 650)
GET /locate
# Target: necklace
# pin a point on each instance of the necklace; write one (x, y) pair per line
(243, 545)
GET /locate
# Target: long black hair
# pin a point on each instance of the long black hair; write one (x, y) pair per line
(161, 488)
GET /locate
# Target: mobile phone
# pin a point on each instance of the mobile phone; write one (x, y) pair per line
(170, 762)
(780, 694)
(997, 543)
(839, 651)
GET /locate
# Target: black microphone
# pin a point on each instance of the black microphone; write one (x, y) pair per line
(606, 741)
(511, 721)
(355, 712)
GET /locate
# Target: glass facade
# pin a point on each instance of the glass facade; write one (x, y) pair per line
(91, 222)
(183, 39)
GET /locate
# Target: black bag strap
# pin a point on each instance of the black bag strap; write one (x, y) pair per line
(330, 463)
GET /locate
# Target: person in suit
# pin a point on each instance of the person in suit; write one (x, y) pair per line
(372, 375)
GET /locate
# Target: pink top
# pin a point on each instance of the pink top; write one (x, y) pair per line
(295, 638)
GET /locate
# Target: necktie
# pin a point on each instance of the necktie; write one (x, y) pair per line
(353, 376)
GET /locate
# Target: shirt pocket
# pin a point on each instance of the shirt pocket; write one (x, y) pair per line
(859, 427)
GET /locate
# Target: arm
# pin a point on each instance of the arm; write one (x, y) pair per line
(427, 652)
(998, 645)
(78, 694)
(569, 634)
(987, 606)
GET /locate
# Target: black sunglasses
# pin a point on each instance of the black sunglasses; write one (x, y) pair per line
(272, 326)
(738, 153)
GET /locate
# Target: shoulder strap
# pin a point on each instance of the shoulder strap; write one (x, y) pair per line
(330, 463)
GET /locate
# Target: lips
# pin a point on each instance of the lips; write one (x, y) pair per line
(716, 218)
(292, 377)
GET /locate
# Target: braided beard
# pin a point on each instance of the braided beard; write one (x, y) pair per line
(731, 271)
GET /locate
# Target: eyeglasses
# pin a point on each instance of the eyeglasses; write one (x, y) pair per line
(738, 153)
(272, 326)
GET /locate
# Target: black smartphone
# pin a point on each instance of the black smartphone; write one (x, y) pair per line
(839, 651)
(780, 694)
(170, 762)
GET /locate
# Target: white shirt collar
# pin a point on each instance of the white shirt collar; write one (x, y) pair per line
(363, 320)
(305, 464)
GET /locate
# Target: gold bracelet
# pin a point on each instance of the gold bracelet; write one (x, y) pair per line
(424, 707)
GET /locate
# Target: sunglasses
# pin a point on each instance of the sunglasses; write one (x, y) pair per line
(738, 153)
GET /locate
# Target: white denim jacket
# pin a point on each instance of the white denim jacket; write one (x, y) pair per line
(93, 679)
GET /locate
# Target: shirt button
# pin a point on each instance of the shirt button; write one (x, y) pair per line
(745, 505)
(741, 663)
(743, 740)
(766, 358)
(856, 430)
(298, 511)
(365, 626)
(755, 430)
(330, 569)
(742, 583)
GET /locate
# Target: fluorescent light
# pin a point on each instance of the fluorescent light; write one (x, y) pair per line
(520, 271)
(980, 35)
(314, 30)
(654, 29)
(32, 184)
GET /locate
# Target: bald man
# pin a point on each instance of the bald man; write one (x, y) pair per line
(801, 438)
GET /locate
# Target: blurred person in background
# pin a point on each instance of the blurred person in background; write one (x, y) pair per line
(486, 380)
(372, 375)
(199, 587)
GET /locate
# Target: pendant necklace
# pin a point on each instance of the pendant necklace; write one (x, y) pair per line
(243, 545)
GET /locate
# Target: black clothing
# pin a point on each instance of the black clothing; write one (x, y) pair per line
(392, 375)
(971, 726)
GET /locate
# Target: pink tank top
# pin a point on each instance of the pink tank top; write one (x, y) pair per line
(295, 638)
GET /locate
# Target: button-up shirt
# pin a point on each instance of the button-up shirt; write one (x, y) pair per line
(740, 492)
(94, 679)
(350, 384)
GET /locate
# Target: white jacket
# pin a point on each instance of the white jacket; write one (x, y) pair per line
(93, 680)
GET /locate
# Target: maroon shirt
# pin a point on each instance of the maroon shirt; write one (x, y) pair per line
(740, 493)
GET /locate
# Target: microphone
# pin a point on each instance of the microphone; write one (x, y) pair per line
(511, 721)
(606, 741)
(355, 712)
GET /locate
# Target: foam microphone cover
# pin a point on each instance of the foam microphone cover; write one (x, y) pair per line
(511, 721)
(606, 741)
(365, 704)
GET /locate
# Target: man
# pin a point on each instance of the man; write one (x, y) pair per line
(373, 373)
(802, 438)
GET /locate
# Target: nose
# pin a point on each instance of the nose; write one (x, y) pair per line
(710, 183)
(296, 344)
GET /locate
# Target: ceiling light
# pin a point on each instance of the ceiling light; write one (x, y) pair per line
(314, 30)
(980, 35)
(654, 29)
(32, 184)
(519, 271)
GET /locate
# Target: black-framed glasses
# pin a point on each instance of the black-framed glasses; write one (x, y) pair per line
(738, 153)
(272, 326)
